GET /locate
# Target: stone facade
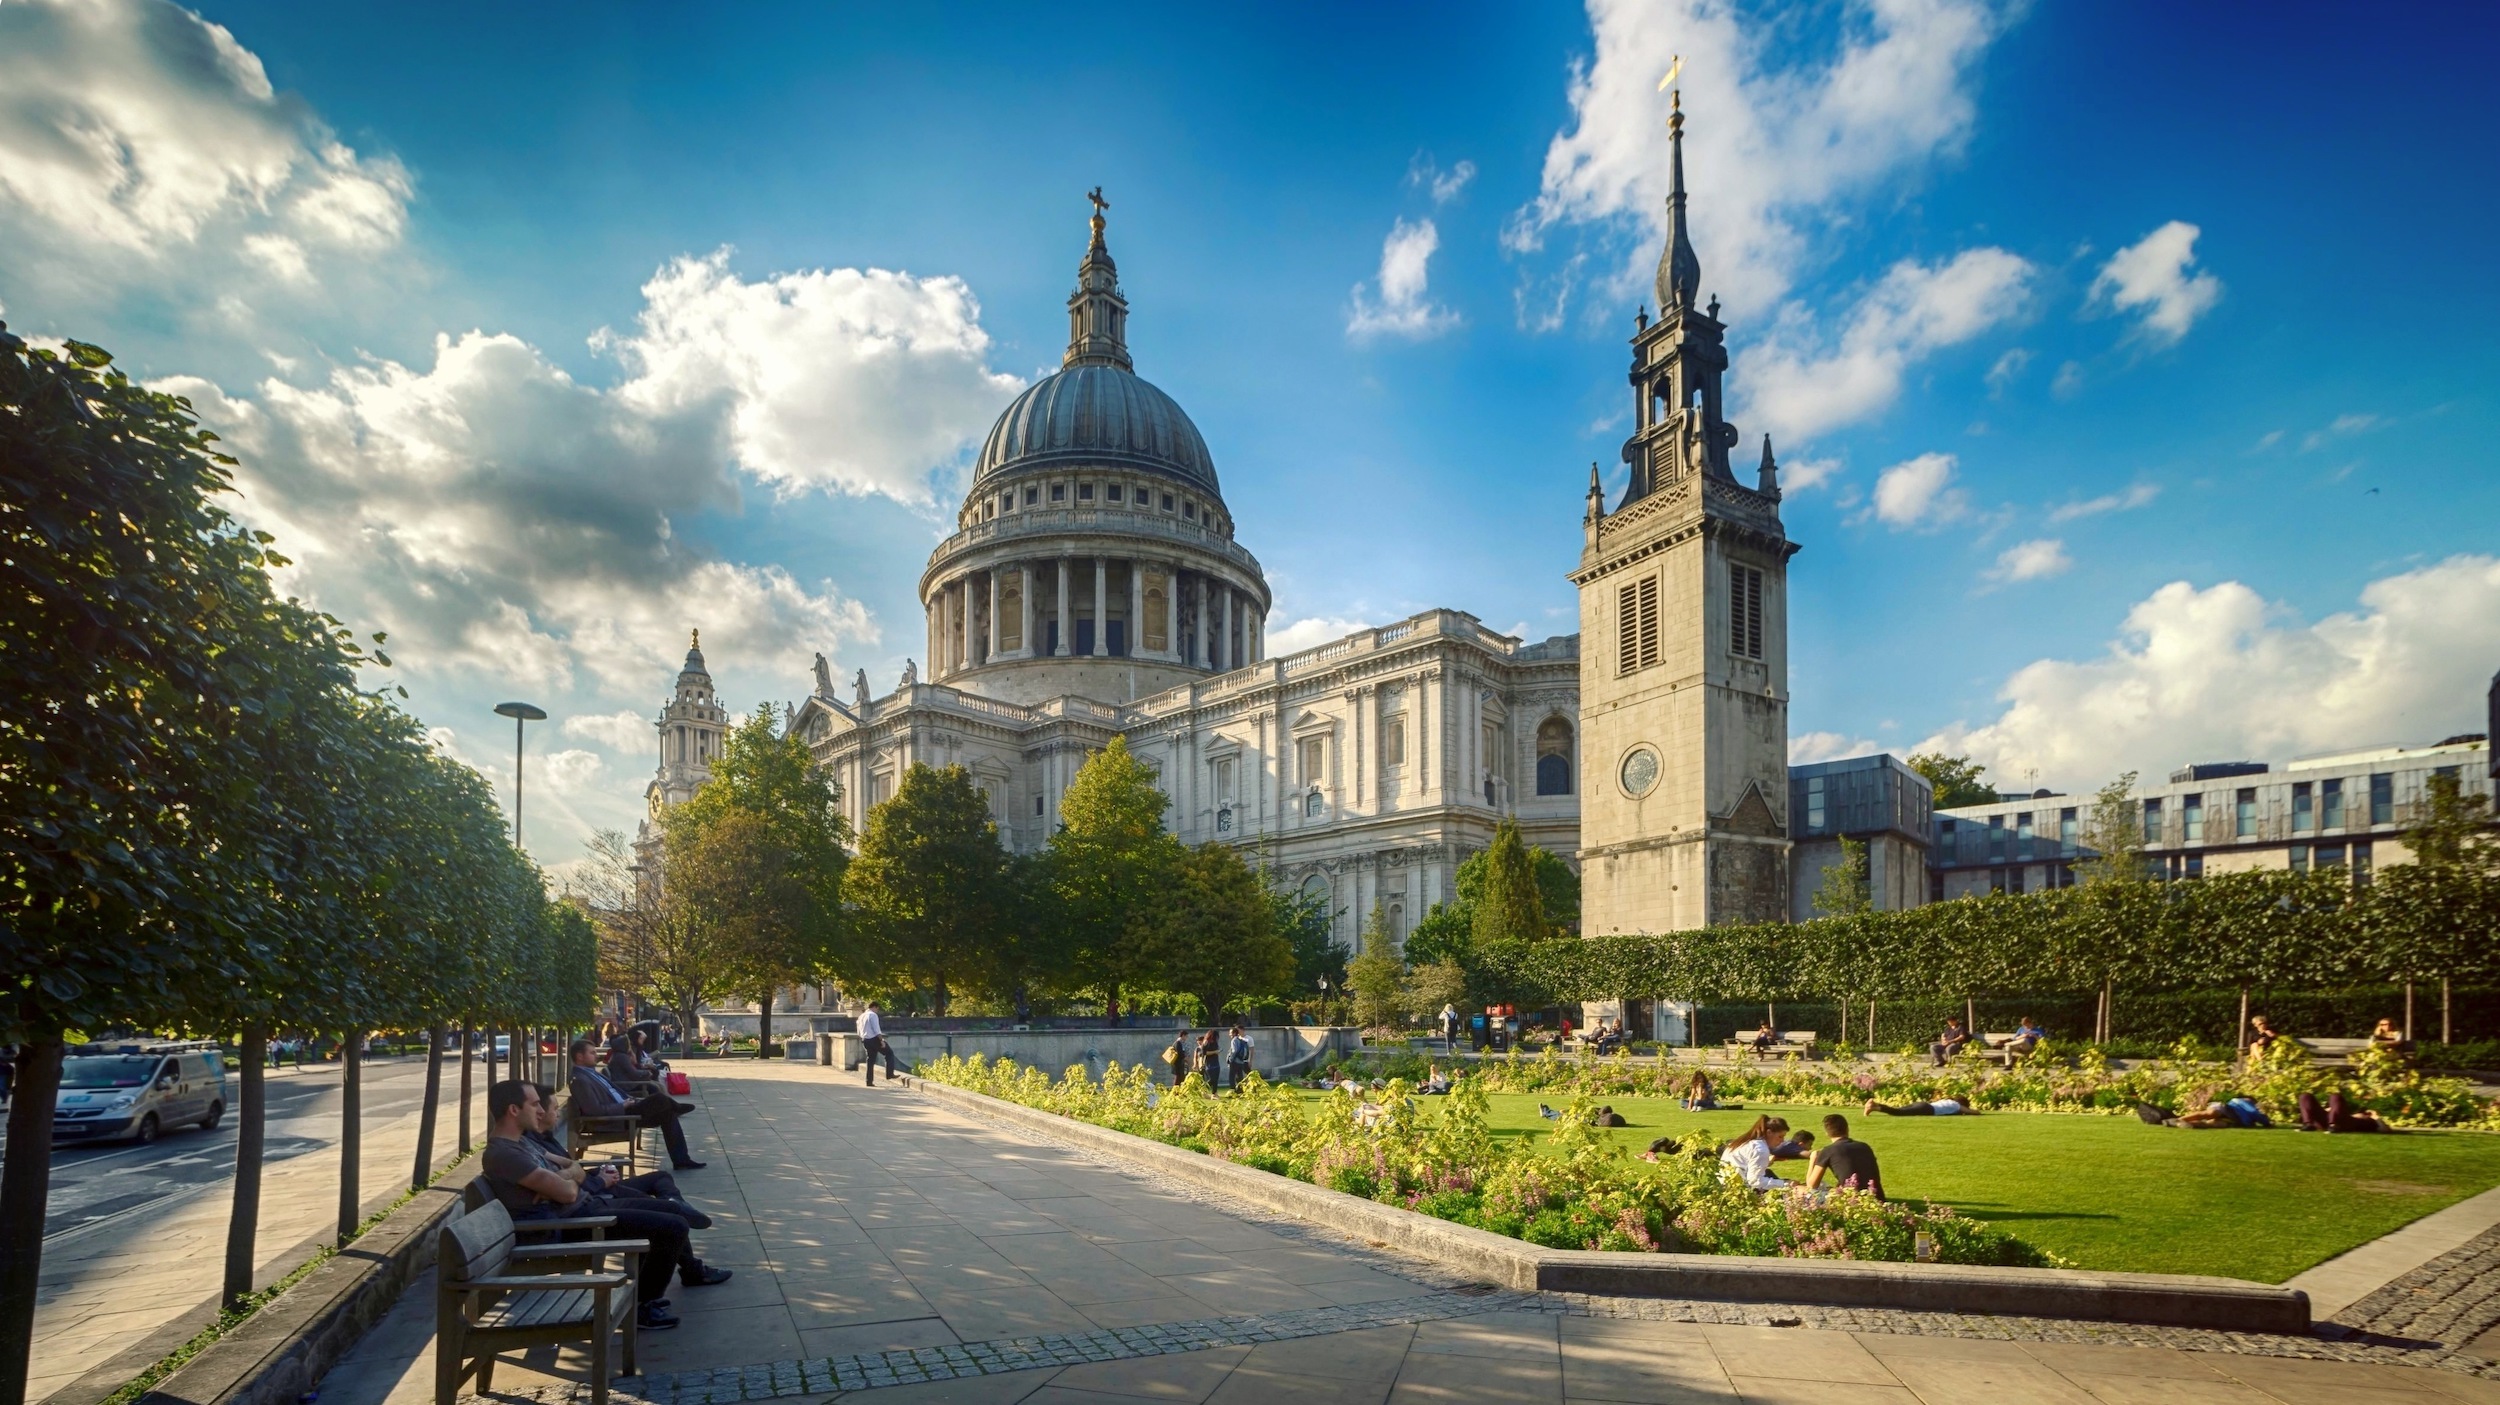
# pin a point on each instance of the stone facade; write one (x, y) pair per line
(1683, 618)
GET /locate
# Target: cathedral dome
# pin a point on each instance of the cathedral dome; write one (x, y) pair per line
(1097, 413)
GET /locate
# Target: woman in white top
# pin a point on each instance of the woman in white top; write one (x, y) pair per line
(1749, 1156)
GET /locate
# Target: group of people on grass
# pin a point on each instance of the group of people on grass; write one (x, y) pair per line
(1212, 1056)
(1842, 1160)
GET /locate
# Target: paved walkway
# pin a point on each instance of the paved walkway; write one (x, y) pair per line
(884, 1244)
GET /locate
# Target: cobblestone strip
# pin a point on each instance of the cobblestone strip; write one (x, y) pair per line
(2452, 1299)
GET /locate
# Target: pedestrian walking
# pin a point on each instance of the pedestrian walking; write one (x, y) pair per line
(1449, 1028)
(1178, 1057)
(1237, 1055)
(872, 1045)
(1210, 1059)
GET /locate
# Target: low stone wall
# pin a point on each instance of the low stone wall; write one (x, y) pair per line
(284, 1349)
(2223, 1304)
(1279, 1047)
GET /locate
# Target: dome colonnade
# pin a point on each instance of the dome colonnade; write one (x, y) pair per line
(1095, 533)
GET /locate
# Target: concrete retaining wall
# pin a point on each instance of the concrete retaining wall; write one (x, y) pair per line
(283, 1350)
(2225, 1304)
(1279, 1047)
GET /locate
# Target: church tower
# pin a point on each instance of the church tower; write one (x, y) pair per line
(691, 727)
(1684, 641)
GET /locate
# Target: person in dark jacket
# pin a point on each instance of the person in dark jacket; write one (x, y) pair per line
(1210, 1059)
(595, 1096)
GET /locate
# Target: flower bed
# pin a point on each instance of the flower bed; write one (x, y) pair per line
(2052, 1080)
(1576, 1191)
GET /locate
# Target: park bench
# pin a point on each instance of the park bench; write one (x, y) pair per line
(1999, 1047)
(477, 1195)
(2332, 1051)
(1799, 1042)
(583, 1132)
(489, 1301)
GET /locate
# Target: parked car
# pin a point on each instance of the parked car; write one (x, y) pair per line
(115, 1091)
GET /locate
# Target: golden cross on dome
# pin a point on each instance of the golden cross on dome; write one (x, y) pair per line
(1100, 204)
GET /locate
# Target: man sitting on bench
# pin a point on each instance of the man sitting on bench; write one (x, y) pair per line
(1948, 1043)
(532, 1191)
(656, 1190)
(595, 1096)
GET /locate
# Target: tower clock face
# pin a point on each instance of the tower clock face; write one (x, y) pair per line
(1639, 772)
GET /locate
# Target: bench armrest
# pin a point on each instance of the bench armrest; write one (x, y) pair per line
(587, 1249)
(559, 1226)
(550, 1283)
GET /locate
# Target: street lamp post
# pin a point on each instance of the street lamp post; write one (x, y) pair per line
(522, 714)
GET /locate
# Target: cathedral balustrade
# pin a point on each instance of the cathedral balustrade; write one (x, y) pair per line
(1111, 521)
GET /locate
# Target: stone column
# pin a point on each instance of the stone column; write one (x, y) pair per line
(1067, 636)
(968, 625)
(1102, 614)
(993, 633)
(1172, 610)
(1024, 607)
(1199, 654)
(1136, 607)
(1221, 657)
(1421, 763)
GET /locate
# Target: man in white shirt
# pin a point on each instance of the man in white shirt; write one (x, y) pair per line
(1449, 1029)
(872, 1043)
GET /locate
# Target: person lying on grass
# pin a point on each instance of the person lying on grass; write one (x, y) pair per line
(2337, 1116)
(1933, 1107)
(2235, 1110)
(1748, 1157)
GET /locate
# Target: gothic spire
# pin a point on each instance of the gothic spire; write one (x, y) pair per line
(1768, 482)
(1679, 268)
(1097, 314)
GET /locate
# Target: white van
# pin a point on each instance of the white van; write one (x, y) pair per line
(115, 1090)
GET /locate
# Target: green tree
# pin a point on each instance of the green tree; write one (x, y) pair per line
(1955, 779)
(766, 847)
(1512, 907)
(1309, 926)
(2113, 838)
(1847, 887)
(1431, 985)
(928, 889)
(1111, 866)
(1377, 977)
(1221, 943)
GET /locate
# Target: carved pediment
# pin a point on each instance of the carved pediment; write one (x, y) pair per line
(1752, 815)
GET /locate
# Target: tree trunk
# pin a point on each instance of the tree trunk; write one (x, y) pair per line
(764, 1028)
(1870, 1024)
(25, 1186)
(2241, 1034)
(1970, 1017)
(351, 1147)
(1844, 1019)
(2447, 1031)
(251, 1121)
(468, 1056)
(425, 1114)
(2408, 1009)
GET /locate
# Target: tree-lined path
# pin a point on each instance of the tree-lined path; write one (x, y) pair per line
(1004, 1268)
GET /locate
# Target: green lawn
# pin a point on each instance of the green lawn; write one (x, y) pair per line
(2112, 1193)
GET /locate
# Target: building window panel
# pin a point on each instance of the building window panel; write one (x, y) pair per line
(2304, 808)
(2244, 815)
(2331, 804)
(2152, 820)
(1553, 757)
(2300, 858)
(1636, 625)
(2192, 818)
(2066, 832)
(1744, 611)
(1814, 803)
(1392, 741)
(2022, 837)
(2383, 798)
(2361, 862)
(1996, 838)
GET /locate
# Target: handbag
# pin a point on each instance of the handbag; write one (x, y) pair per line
(1169, 1056)
(679, 1085)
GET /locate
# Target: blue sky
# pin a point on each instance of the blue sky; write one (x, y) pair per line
(2131, 363)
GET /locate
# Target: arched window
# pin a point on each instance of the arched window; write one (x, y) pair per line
(1553, 757)
(1313, 806)
(1224, 821)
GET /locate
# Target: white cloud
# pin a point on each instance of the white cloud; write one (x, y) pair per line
(2267, 440)
(2069, 382)
(2222, 673)
(2135, 497)
(504, 522)
(1444, 186)
(2338, 428)
(1798, 475)
(2007, 368)
(1918, 492)
(1806, 748)
(142, 143)
(1800, 383)
(1403, 308)
(1310, 633)
(628, 731)
(858, 380)
(2031, 561)
(2152, 276)
(1771, 152)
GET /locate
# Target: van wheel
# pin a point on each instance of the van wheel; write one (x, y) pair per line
(216, 1114)
(147, 1130)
